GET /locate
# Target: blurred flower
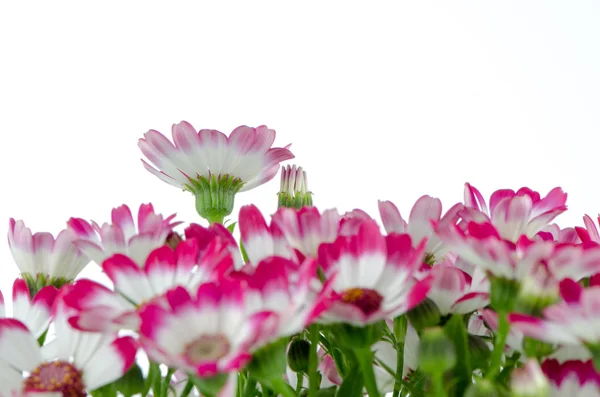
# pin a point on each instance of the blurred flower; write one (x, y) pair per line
(454, 291)
(572, 378)
(590, 232)
(529, 381)
(121, 236)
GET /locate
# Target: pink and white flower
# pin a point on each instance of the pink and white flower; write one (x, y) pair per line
(373, 275)
(513, 214)
(41, 253)
(576, 320)
(306, 229)
(246, 154)
(74, 363)
(555, 233)
(572, 378)
(529, 380)
(260, 240)
(205, 236)
(482, 245)
(121, 236)
(208, 334)
(100, 308)
(590, 231)
(427, 210)
(35, 313)
(454, 291)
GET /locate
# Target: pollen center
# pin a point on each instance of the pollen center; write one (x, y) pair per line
(207, 348)
(367, 300)
(56, 376)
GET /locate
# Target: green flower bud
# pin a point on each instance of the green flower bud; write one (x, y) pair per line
(297, 356)
(424, 315)
(436, 351)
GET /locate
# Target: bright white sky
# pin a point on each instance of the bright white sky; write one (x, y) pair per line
(381, 100)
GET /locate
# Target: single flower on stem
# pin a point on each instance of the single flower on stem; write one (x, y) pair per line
(98, 308)
(42, 259)
(514, 214)
(213, 166)
(121, 236)
(426, 210)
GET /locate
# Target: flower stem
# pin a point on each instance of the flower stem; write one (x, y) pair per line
(188, 388)
(499, 344)
(166, 383)
(365, 361)
(281, 387)
(299, 381)
(313, 361)
(438, 384)
(400, 326)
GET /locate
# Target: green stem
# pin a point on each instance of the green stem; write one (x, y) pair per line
(299, 381)
(438, 384)
(365, 361)
(499, 344)
(250, 388)
(400, 329)
(313, 361)
(187, 389)
(166, 382)
(281, 387)
(153, 374)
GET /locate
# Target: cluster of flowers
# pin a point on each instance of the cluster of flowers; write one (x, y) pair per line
(486, 299)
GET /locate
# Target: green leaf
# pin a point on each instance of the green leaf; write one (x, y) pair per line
(352, 385)
(132, 382)
(231, 227)
(244, 253)
(109, 390)
(329, 392)
(456, 330)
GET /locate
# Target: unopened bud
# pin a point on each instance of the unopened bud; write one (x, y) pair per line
(425, 314)
(484, 388)
(293, 191)
(297, 355)
(436, 351)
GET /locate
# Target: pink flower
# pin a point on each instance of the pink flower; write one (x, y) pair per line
(306, 229)
(425, 211)
(246, 155)
(553, 232)
(590, 232)
(373, 275)
(98, 308)
(35, 313)
(260, 240)
(122, 237)
(529, 380)
(513, 214)
(40, 253)
(75, 363)
(482, 245)
(205, 237)
(454, 291)
(208, 334)
(576, 320)
(572, 378)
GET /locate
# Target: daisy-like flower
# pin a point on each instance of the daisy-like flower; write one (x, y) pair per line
(211, 165)
(427, 210)
(590, 231)
(73, 364)
(121, 236)
(35, 313)
(206, 335)
(306, 229)
(99, 308)
(373, 276)
(513, 214)
(454, 291)
(42, 259)
(572, 378)
(260, 240)
(205, 236)
(575, 320)
(293, 190)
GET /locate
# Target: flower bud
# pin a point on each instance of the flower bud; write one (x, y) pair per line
(293, 191)
(504, 293)
(426, 314)
(297, 355)
(436, 351)
(529, 381)
(484, 388)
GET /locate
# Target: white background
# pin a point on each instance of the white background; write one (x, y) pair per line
(381, 100)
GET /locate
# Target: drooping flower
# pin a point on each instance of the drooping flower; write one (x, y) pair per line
(262, 240)
(121, 236)
(35, 313)
(42, 259)
(76, 363)
(293, 190)
(572, 378)
(208, 334)
(306, 229)
(512, 213)
(426, 210)
(99, 308)
(211, 165)
(575, 320)
(373, 276)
